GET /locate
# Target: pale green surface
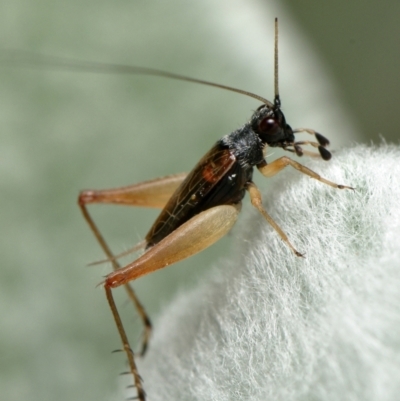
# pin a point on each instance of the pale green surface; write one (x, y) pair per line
(276, 327)
(62, 132)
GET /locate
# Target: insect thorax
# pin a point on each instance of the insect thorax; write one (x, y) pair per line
(245, 145)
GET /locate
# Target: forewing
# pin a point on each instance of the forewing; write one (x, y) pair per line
(188, 198)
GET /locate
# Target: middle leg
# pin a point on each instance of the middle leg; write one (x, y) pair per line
(256, 201)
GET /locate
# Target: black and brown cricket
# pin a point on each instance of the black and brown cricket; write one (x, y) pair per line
(200, 207)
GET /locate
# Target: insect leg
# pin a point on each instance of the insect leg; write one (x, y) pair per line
(269, 170)
(195, 235)
(153, 193)
(125, 342)
(256, 201)
(131, 294)
(191, 237)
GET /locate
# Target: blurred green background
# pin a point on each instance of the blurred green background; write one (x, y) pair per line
(62, 132)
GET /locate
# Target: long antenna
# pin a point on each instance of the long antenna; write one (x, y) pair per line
(277, 100)
(27, 59)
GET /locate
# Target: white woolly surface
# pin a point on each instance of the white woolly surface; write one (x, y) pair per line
(271, 326)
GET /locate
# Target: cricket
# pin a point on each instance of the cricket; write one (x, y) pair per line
(197, 208)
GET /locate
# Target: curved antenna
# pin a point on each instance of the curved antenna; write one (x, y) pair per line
(277, 100)
(28, 59)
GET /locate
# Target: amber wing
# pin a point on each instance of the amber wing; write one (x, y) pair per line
(194, 194)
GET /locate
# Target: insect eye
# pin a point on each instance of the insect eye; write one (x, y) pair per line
(269, 126)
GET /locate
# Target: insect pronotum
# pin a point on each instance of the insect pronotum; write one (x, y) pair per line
(200, 207)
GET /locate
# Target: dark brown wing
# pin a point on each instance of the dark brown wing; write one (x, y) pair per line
(192, 196)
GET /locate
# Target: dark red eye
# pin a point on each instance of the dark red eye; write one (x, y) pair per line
(269, 126)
